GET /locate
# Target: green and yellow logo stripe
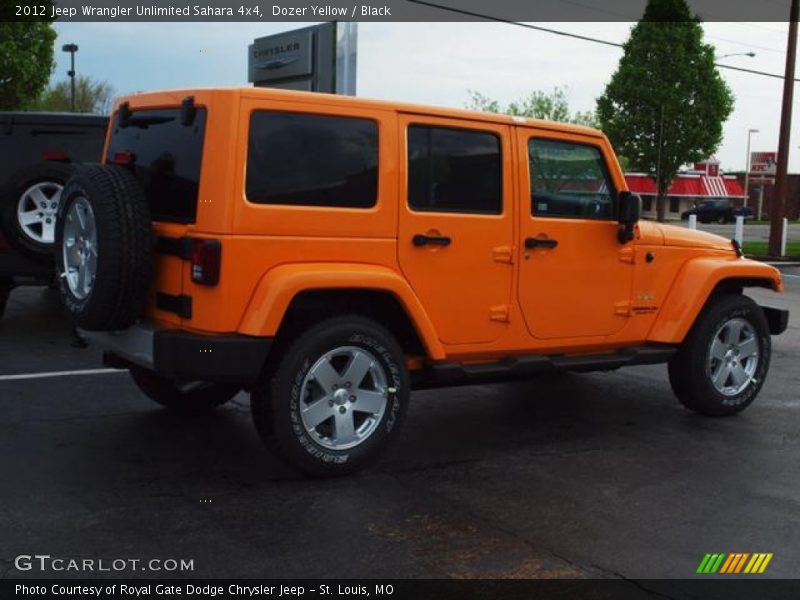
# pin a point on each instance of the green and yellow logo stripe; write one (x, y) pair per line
(737, 562)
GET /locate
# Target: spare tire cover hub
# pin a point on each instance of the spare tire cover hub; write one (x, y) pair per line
(80, 248)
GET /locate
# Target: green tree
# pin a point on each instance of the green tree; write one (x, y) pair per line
(26, 61)
(551, 106)
(91, 96)
(666, 103)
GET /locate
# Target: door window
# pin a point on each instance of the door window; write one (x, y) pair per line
(569, 180)
(454, 170)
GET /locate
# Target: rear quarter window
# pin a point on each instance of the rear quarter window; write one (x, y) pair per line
(312, 160)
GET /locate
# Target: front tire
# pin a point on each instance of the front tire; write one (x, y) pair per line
(336, 399)
(190, 399)
(723, 362)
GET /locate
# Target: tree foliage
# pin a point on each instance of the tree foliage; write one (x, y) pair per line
(551, 106)
(91, 96)
(26, 61)
(666, 103)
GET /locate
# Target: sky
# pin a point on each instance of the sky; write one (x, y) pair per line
(437, 63)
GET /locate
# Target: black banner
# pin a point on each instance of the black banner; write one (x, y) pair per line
(377, 10)
(583, 589)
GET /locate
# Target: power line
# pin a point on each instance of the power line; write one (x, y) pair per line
(576, 36)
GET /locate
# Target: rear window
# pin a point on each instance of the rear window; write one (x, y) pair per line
(312, 160)
(167, 159)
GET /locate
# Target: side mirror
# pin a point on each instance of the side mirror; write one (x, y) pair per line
(629, 211)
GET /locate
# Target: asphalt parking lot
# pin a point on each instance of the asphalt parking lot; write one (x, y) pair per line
(591, 475)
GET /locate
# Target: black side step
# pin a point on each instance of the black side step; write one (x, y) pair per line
(447, 373)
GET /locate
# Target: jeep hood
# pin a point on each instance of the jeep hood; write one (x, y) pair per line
(689, 238)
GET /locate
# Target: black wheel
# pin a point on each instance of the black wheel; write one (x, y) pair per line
(724, 360)
(191, 398)
(29, 208)
(336, 398)
(105, 247)
(722, 220)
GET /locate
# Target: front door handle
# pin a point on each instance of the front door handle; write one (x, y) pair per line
(430, 240)
(531, 243)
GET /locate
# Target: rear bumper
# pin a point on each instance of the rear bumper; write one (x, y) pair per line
(184, 356)
(21, 269)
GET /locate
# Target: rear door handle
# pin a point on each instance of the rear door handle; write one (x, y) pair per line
(430, 240)
(531, 243)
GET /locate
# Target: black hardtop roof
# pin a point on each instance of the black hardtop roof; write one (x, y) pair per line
(52, 118)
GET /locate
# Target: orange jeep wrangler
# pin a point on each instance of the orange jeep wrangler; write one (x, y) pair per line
(328, 254)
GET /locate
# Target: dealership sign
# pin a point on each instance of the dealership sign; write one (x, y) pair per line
(321, 58)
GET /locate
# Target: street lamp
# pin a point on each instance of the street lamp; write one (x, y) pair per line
(72, 49)
(750, 54)
(747, 167)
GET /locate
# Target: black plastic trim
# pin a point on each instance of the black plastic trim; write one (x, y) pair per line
(777, 318)
(180, 247)
(188, 111)
(445, 373)
(181, 304)
(222, 359)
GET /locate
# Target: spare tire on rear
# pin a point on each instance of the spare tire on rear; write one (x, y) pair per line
(104, 247)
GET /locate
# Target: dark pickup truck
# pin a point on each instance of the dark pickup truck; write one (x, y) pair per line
(38, 152)
(717, 211)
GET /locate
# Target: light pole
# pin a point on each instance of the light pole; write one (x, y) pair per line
(747, 167)
(72, 49)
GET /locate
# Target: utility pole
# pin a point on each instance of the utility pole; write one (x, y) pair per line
(781, 177)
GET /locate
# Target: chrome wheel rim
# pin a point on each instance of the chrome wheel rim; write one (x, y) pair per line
(37, 210)
(79, 248)
(343, 397)
(733, 357)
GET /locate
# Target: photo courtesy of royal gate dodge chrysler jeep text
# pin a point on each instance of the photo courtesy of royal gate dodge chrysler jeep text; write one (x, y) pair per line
(329, 253)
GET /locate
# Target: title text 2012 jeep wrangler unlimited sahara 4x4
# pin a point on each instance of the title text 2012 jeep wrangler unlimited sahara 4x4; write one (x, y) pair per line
(328, 254)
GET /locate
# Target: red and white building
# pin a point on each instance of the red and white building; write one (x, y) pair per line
(704, 182)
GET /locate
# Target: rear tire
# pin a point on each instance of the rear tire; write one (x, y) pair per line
(167, 393)
(723, 362)
(105, 247)
(336, 399)
(29, 208)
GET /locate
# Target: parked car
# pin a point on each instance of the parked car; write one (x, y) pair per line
(328, 253)
(39, 152)
(718, 210)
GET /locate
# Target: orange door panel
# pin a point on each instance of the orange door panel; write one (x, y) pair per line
(457, 262)
(575, 277)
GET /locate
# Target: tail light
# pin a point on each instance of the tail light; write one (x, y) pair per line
(55, 156)
(206, 261)
(124, 158)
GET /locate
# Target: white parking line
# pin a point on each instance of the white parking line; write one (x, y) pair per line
(790, 275)
(59, 374)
